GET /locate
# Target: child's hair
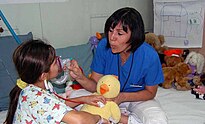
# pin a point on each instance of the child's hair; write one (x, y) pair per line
(31, 59)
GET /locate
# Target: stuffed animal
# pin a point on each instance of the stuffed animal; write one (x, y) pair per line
(195, 82)
(94, 40)
(171, 61)
(196, 62)
(99, 35)
(177, 77)
(172, 57)
(156, 41)
(109, 87)
(197, 95)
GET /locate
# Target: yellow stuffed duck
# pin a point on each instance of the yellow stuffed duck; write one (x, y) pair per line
(109, 87)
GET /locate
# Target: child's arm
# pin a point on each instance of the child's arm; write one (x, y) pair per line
(91, 100)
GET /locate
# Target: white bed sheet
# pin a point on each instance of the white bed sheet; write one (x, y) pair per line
(181, 107)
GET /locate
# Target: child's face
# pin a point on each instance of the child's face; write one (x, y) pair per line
(54, 69)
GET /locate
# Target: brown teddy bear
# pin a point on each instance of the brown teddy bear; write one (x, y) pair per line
(171, 61)
(156, 41)
(177, 76)
(172, 57)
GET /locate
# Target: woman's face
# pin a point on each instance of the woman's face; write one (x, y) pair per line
(118, 39)
(54, 69)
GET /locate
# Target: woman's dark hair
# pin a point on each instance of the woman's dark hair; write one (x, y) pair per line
(31, 59)
(129, 18)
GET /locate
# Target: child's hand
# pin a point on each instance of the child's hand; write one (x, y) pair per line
(94, 99)
(200, 90)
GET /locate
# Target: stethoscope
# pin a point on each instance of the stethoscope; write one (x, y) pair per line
(49, 87)
(130, 70)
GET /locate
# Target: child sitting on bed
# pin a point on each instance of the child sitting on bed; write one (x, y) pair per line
(33, 101)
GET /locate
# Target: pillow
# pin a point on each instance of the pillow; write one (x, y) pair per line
(8, 74)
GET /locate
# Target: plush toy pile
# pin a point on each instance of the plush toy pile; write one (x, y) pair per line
(181, 68)
(182, 76)
(109, 87)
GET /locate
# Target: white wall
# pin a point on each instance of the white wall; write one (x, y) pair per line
(69, 23)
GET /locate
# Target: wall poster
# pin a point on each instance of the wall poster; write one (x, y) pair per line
(180, 21)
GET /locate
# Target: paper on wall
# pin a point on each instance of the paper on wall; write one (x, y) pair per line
(181, 22)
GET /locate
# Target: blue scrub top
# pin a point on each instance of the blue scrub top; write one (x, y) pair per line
(143, 67)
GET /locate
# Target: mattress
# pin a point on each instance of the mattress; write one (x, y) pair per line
(181, 107)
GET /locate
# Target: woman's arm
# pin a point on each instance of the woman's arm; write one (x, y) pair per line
(148, 93)
(77, 74)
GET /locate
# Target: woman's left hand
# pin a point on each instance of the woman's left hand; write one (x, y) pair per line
(119, 99)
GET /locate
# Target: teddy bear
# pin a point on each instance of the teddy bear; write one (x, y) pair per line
(172, 57)
(196, 62)
(156, 41)
(176, 77)
(171, 61)
(109, 87)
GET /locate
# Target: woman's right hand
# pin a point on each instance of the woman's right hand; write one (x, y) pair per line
(75, 71)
